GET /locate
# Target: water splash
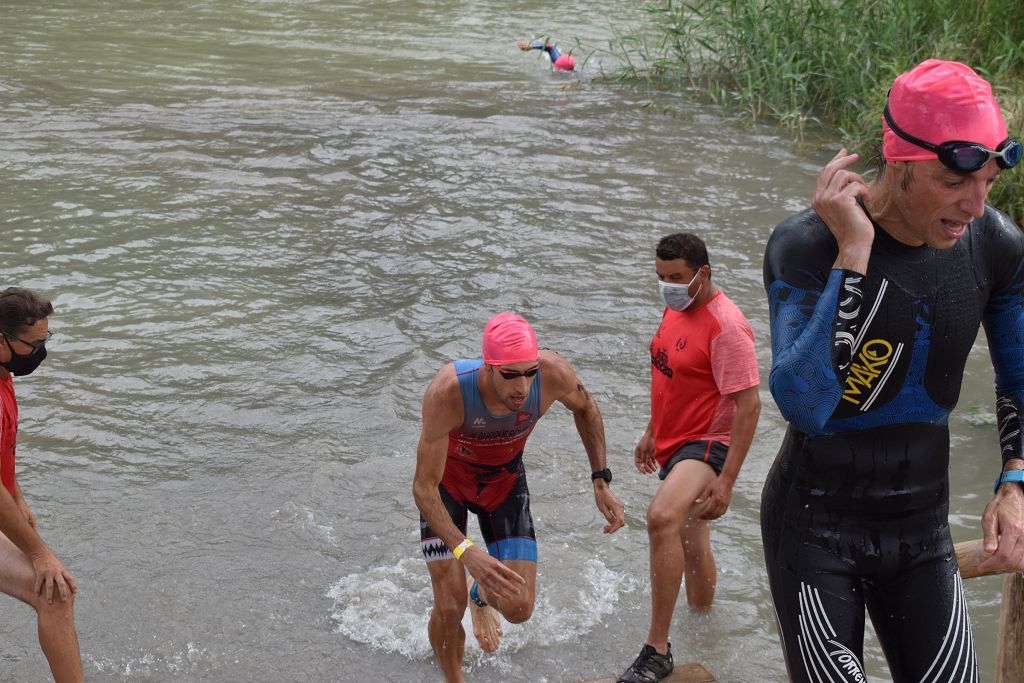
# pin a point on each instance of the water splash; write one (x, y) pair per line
(387, 608)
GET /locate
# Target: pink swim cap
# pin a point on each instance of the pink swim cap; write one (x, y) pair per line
(938, 102)
(509, 339)
(565, 63)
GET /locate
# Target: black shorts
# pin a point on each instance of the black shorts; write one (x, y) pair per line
(507, 527)
(711, 452)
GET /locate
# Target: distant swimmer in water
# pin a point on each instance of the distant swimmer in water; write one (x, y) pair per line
(477, 415)
(875, 296)
(561, 62)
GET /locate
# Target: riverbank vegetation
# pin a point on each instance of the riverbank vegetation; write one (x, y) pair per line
(809, 62)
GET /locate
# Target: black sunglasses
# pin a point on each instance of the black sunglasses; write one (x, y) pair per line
(963, 157)
(35, 345)
(512, 374)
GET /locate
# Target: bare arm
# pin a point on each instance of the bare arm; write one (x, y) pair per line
(23, 506)
(589, 424)
(1003, 525)
(442, 412)
(744, 422)
(20, 528)
(643, 454)
(567, 388)
(431, 454)
(1003, 520)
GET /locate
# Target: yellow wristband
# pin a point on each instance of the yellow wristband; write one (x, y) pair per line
(461, 548)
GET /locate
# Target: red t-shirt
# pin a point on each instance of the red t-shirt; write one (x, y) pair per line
(8, 431)
(698, 357)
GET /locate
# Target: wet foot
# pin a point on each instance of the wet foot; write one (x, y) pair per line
(486, 624)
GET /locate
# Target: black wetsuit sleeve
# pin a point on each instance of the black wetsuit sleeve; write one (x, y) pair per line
(1004, 326)
(815, 314)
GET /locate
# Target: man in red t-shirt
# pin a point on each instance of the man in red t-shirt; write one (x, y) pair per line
(704, 408)
(29, 570)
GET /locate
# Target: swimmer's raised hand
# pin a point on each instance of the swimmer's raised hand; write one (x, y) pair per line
(835, 200)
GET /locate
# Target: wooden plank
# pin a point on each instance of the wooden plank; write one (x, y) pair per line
(683, 673)
(969, 555)
(1009, 663)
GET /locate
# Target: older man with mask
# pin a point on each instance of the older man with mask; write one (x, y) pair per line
(29, 570)
(876, 295)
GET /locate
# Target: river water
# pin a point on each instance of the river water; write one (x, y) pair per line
(265, 225)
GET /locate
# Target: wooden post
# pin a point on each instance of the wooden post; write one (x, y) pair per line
(1009, 663)
(969, 555)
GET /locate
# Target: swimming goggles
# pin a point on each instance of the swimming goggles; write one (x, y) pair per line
(963, 157)
(512, 374)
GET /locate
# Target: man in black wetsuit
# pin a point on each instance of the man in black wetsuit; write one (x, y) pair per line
(876, 297)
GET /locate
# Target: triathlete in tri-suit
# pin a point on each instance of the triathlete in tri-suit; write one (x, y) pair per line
(876, 296)
(476, 419)
(484, 473)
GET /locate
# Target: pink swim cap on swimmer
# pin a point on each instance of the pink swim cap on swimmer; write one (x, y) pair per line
(509, 339)
(565, 63)
(938, 102)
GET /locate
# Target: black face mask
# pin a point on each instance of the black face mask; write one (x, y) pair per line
(24, 365)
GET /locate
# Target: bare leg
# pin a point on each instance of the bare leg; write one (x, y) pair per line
(486, 624)
(520, 608)
(447, 637)
(451, 594)
(59, 640)
(701, 573)
(666, 517)
(56, 622)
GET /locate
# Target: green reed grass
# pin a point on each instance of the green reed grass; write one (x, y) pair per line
(805, 62)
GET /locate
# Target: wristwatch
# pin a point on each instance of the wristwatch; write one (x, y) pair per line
(1012, 475)
(606, 474)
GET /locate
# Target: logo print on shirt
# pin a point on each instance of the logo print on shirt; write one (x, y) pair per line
(465, 452)
(479, 422)
(660, 361)
(680, 343)
(523, 416)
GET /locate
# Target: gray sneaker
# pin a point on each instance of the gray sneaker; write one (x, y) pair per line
(649, 667)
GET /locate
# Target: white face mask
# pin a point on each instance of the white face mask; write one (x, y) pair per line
(677, 297)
